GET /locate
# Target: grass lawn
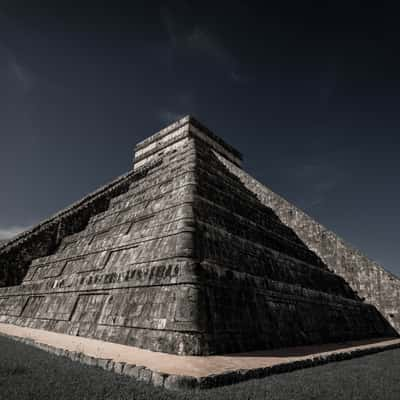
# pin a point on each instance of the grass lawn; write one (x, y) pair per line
(29, 373)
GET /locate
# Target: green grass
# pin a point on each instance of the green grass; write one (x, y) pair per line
(29, 373)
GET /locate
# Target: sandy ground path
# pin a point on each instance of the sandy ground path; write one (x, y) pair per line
(187, 365)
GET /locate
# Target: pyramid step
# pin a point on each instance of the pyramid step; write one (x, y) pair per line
(171, 164)
(110, 256)
(160, 178)
(155, 191)
(137, 226)
(178, 196)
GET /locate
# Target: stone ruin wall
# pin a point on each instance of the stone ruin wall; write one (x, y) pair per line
(17, 253)
(254, 286)
(367, 278)
(127, 277)
(263, 287)
(181, 256)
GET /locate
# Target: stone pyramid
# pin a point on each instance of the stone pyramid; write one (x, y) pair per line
(188, 254)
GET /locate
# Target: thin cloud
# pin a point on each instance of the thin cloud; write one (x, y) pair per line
(13, 71)
(11, 231)
(177, 106)
(236, 77)
(316, 181)
(168, 116)
(169, 24)
(201, 40)
(21, 75)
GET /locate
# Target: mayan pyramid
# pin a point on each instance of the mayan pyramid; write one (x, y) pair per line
(188, 254)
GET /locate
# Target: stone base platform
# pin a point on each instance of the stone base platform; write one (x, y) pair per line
(192, 372)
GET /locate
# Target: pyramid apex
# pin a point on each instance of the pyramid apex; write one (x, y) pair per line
(178, 130)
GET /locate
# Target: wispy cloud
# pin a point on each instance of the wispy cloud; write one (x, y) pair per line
(315, 182)
(202, 40)
(168, 21)
(11, 231)
(177, 106)
(14, 71)
(168, 116)
(236, 77)
(20, 75)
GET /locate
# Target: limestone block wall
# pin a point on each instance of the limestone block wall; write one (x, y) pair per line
(153, 147)
(263, 287)
(367, 278)
(44, 238)
(128, 276)
(181, 255)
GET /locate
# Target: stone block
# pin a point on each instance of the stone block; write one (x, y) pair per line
(158, 378)
(119, 367)
(177, 382)
(104, 363)
(132, 370)
(145, 374)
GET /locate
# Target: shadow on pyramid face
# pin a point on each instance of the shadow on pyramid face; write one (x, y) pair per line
(263, 287)
(180, 256)
(259, 225)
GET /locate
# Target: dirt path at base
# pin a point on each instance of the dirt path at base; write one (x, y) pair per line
(196, 366)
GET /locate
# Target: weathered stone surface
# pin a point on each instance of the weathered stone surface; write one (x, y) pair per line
(104, 363)
(188, 254)
(157, 378)
(89, 360)
(119, 367)
(133, 370)
(145, 375)
(369, 281)
(175, 382)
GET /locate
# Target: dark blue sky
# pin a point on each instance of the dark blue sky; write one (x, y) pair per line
(310, 95)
